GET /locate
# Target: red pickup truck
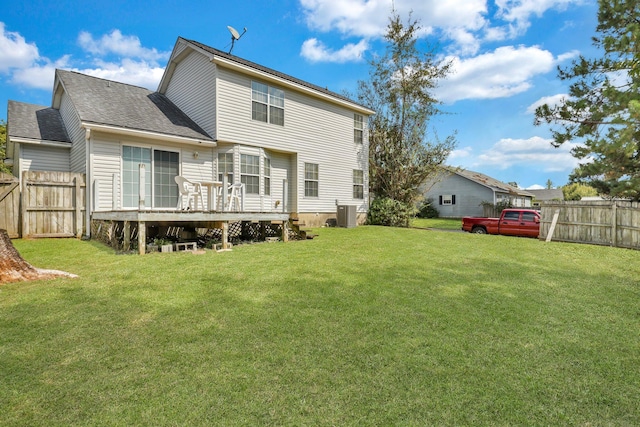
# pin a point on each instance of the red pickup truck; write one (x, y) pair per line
(512, 222)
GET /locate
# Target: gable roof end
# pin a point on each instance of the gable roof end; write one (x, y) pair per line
(231, 61)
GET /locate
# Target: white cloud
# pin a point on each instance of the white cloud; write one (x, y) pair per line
(316, 51)
(552, 101)
(537, 151)
(465, 23)
(519, 12)
(39, 76)
(136, 64)
(535, 187)
(504, 72)
(139, 73)
(116, 43)
(459, 153)
(15, 52)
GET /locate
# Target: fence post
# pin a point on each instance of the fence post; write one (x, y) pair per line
(614, 224)
(25, 205)
(78, 203)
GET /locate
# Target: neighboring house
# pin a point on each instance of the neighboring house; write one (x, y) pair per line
(546, 195)
(457, 193)
(297, 148)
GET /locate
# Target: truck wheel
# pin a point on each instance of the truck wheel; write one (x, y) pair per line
(479, 230)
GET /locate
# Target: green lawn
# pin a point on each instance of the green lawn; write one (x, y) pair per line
(437, 223)
(364, 326)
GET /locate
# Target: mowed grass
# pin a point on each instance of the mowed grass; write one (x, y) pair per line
(366, 326)
(437, 223)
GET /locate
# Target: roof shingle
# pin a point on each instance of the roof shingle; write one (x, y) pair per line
(36, 122)
(122, 105)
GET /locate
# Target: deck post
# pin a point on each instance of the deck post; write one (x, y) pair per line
(142, 237)
(225, 189)
(126, 244)
(285, 231)
(225, 234)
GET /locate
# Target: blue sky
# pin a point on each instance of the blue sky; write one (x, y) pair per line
(505, 54)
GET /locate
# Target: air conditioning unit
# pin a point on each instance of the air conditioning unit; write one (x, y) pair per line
(347, 216)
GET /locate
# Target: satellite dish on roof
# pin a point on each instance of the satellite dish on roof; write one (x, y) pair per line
(235, 35)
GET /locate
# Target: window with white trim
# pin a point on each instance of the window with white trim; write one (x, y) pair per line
(267, 104)
(311, 180)
(225, 166)
(358, 184)
(358, 128)
(250, 173)
(448, 199)
(161, 168)
(267, 176)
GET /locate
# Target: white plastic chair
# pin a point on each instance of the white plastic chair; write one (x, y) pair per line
(236, 197)
(233, 199)
(190, 190)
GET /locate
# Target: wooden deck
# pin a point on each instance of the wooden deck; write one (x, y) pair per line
(186, 218)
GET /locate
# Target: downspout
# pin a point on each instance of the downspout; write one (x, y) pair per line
(88, 193)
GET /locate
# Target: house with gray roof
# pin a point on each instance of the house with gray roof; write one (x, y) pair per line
(456, 193)
(546, 195)
(293, 146)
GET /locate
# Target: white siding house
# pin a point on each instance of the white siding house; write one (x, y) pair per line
(297, 148)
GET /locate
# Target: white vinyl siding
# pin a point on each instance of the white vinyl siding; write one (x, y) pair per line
(37, 157)
(315, 131)
(107, 162)
(106, 166)
(78, 159)
(192, 89)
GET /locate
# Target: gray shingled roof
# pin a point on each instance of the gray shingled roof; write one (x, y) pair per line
(548, 194)
(111, 103)
(35, 122)
(491, 182)
(273, 72)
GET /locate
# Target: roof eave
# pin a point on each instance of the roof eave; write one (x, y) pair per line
(34, 141)
(147, 134)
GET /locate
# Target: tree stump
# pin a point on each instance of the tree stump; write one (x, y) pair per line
(15, 269)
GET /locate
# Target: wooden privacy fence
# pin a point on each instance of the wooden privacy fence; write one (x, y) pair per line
(610, 223)
(10, 205)
(53, 204)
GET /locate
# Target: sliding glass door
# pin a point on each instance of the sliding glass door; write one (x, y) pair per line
(161, 167)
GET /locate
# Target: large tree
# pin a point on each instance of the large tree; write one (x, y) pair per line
(400, 90)
(602, 111)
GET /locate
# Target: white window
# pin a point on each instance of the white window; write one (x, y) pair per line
(161, 167)
(250, 173)
(225, 166)
(267, 176)
(358, 128)
(448, 199)
(267, 104)
(358, 184)
(311, 180)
